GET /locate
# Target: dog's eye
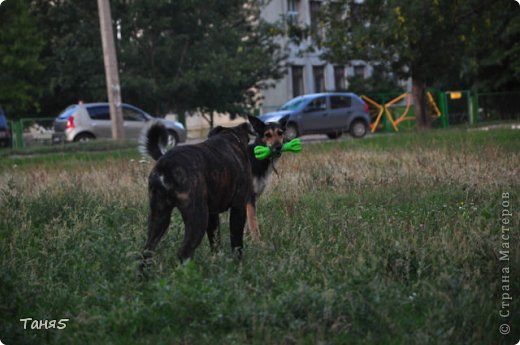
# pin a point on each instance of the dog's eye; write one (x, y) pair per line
(268, 135)
(279, 132)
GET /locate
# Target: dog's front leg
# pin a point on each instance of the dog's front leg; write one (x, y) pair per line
(237, 222)
(251, 219)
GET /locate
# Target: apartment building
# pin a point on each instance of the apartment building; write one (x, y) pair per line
(307, 73)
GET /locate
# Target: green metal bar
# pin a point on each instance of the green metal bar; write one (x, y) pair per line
(443, 104)
(498, 93)
(19, 134)
(474, 101)
(471, 113)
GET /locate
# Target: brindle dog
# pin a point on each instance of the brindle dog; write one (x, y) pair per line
(202, 181)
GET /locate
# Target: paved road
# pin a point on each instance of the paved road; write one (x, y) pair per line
(315, 138)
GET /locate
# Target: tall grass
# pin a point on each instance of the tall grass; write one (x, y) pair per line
(390, 240)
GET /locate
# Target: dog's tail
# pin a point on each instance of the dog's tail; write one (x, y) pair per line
(153, 140)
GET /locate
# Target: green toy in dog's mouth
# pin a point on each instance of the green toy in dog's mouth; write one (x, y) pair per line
(263, 152)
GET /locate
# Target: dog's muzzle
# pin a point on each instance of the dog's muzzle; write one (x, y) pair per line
(276, 151)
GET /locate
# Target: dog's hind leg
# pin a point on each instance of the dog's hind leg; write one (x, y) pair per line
(159, 216)
(237, 221)
(195, 217)
(214, 231)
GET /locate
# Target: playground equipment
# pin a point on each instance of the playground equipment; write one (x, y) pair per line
(384, 109)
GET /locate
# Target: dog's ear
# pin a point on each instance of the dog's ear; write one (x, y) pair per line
(246, 126)
(258, 125)
(283, 121)
(215, 131)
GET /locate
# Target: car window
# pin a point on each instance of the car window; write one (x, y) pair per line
(338, 102)
(101, 112)
(318, 104)
(130, 114)
(293, 104)
(67, 112)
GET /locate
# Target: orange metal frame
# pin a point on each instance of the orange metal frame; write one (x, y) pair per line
(403, 117)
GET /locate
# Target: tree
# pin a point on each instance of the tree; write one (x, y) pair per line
(19, 64)
(378, 82)
(72, 54)
(493, 62)
(430, 41)
(174, 56)
(190, 55)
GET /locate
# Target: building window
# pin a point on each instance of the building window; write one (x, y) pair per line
(293, 7)
(319, 78)
(339, 78)
(359, 71)
(316, 27)
(297, 80)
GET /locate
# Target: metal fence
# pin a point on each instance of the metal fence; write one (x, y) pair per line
(32, 131)
(393, 111)
(498, 106)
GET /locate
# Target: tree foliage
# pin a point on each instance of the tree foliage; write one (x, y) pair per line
(174, 56)
(436, 42)
(378, 82)
(197, 55)
(20, 47)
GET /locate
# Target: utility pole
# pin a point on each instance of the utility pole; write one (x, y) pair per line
(111, 71)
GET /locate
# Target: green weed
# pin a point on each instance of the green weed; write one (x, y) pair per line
(389, 240)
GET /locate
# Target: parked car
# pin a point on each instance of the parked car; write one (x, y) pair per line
(5, 132)
(323, 113)
(82, 122)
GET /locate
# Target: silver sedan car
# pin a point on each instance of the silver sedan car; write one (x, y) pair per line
(82, 122)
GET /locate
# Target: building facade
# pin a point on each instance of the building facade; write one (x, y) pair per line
(306, 73)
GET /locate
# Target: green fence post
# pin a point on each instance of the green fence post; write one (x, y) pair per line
(19, 134)
(444, 109)
(470, 108)
(474, 107)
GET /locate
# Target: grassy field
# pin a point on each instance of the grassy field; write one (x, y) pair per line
(388, 240)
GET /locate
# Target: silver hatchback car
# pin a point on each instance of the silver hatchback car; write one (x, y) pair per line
(81, 122)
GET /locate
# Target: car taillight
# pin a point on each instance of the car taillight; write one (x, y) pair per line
(70, 122)
(366, 107)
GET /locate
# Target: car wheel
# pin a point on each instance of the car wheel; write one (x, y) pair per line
(173, 140)
(291, 131)
(358, 129)
(83, 137)
(334, 135)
